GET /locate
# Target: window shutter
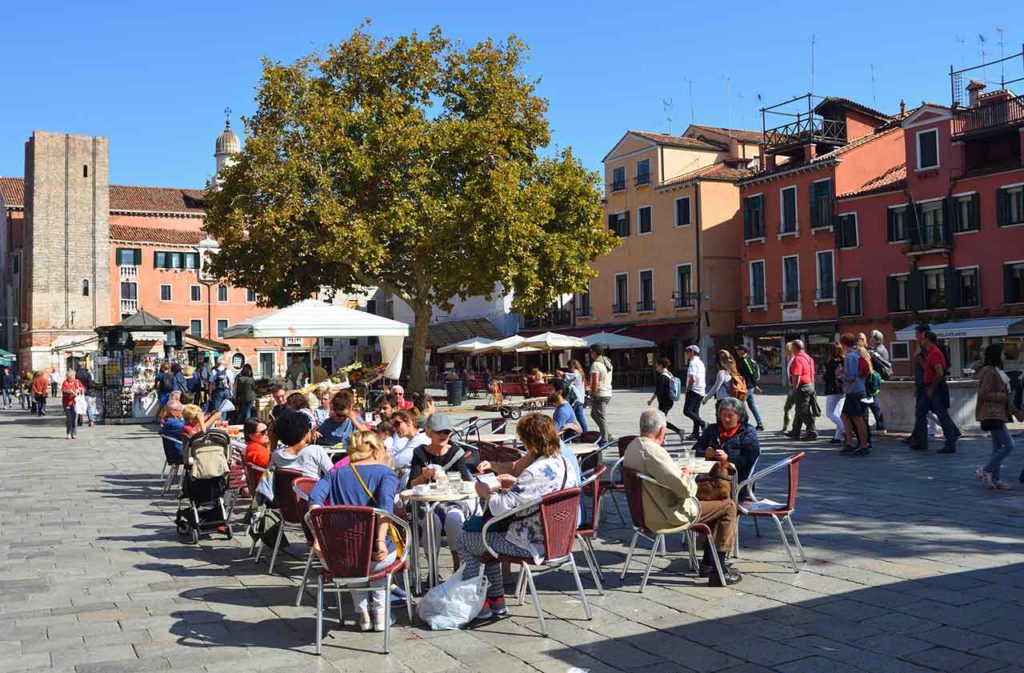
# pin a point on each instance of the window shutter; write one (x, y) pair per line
(1008, 283)
(814, 205)
(915, 291)
(948, 206)
(914, 227)
(975, 222)
(626, 224)
(892, 294)
(853, 242)
(117, 255)
(1002, 208)
(613, 223)
(953, 298)
(841, 298)
(890, 224)
(746, 220)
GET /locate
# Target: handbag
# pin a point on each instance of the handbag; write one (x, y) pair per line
(990, 424)
(393, 531)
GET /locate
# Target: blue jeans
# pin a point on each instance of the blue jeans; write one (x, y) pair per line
(876, 410)
(1002, 445)
(752, 406)
(41, 405)
(581, 417)
(244, 411)
(71, 420)
(7, 397)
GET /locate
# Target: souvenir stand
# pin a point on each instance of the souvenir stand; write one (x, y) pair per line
(133, 351)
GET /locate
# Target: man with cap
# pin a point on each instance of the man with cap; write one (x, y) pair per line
(696, 385)
(751, 373)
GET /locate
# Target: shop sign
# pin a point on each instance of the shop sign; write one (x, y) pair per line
(792, 314)
(148, 336)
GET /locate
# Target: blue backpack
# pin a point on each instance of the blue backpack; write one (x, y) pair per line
(674, 387)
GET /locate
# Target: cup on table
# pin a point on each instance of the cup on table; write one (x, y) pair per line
(422, 489)
(468, 487)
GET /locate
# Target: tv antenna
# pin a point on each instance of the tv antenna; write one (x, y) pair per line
(728, 96)
(874, 100)
(813, 41)
(666, 107)
(1002, 66)
(963, 51)
(984, 69)
(693, 117)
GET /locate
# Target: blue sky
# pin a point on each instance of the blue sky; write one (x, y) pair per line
(155, 80)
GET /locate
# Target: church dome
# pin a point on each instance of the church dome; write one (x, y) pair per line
(227, 141)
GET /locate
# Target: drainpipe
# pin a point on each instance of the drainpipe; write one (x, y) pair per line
(700, 264)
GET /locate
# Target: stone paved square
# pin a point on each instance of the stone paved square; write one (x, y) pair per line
(911, 567)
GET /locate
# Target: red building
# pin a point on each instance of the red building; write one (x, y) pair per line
(791, 227)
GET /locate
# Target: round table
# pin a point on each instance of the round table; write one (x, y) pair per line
(428, 502)
(499, 437)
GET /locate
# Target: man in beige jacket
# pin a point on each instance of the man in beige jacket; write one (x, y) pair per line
(671, 503)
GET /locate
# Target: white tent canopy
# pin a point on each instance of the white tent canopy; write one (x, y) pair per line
(316, 319)
(616, 341)
(470, 345)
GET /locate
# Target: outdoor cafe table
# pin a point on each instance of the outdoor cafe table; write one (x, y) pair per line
(425, 505)
(499, 438)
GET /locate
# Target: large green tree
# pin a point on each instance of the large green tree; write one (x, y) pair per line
(413, 164)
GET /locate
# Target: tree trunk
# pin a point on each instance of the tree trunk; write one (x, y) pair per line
(417, 370)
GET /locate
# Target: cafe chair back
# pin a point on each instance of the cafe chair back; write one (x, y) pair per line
(303, 486)
(591, 490)
(779, 512)
(288, 505)
(173, 448)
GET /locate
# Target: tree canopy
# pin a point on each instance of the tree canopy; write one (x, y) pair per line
(412, 164)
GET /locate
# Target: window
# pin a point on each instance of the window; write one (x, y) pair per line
(1010, 205)
(683, 294)
(371, 306)
(683, 211)
(643, 220)
(129, 256)
(646, 291)
(1013, 282)
(618, 179)
(85, 170)
(129, 291)
(643, 172)
(222, 326)
(222, 293)
(967, 287)
(931, 228)
(85, 287)
(897, 224)
(928, 149)
(787, 204)
(753, 217)
(791, 280)
(195, 327)
(898, 293)
(621, 293)
(250, 295)
(966, 212)
(846, 236)
(196, 293)
(757, 294)
(619, 223)
(165, 293)
(825, 260)
(899, 350)
(191, 260)
(583, 303)
(849, 298)
(822, 209)
(934, 288)
(267, 365)
(328, 343)
(175, 260)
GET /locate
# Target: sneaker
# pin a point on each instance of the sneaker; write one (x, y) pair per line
(847, 449)
(862, 451)
(731, 577)
(947, 449)
(363, 619)
(809, 437)
(835, 440)
(485, 612)
(397, 594)
(378, 621)
(985, 476)
(792, 435)
(1000, 485)
(760, 428)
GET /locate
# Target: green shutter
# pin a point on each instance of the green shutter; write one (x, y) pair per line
(892, 294)
(948, 204)
(975, 211)
(953, 298)
(915, 291)
(841, 298)
(1002, 207)
(1008, 289)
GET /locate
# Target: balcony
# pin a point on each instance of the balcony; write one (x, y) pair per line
(129, 306)
(129, 272)
(926, 238)
(804, 130)
(753, 230)
(618, 185)
(685, 299)
(620, 308)
(553, 318)
(789, 298)
(583, 311)
(645, 306)
(991, 117)
(823, 213)
(643, 179)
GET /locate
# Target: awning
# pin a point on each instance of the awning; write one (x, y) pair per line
(7, 355)
(205, 344)
(75, 345)
(660, 332)
(452, 331)
(979, 327)
(785, 328)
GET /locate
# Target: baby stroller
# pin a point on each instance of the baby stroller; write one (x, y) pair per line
(201, 507)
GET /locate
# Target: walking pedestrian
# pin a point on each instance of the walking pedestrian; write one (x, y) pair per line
(664, 385)
(881, 364)
(600, 389)
(696, 383)
(84, 376)
(7, 387)
(25, 391)
(70, 390)
(856, 369)
(220, 386)
(833, 377)
(576, 378)
(245, 393)
(750, 370)
(727, 380)
(40, 388)
(936, 392)
(54, 381)
(801, 385)
(787, 409)
(919, 435)
(993, 409)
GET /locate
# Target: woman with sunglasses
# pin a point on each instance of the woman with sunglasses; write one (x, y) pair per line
(257, 443)
(406, 438)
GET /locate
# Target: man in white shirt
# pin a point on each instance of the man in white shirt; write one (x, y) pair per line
(696, 382)
(54, 382)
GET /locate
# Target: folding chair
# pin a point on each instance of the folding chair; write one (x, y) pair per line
(778, 512)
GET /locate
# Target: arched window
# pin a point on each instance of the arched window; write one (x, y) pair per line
(85, 287)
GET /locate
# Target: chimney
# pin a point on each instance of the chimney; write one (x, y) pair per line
(903, 108)
(974, 90)
(734, 148)
(810, 151)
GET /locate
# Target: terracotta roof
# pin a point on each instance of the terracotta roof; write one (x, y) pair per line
(738, 134)
(680, 141)
(717, 171)
(893, 179)
(846, 102)
(124, 198)
(121, 232)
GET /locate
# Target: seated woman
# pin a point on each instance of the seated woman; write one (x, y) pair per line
(367, 481)
(548, 472)
(731, 437)
(406, 438)
(295, 452)
(257, 443)
(196, 421)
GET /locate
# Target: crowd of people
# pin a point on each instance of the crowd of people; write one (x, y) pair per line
(75, 390)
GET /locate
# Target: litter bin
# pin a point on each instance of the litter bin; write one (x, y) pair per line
(454, 389)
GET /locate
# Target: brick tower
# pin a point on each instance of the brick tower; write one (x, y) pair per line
(66, 286)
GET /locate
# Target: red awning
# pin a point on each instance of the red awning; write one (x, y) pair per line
(660, 333)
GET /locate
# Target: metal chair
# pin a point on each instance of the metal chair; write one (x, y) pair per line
(253, 476)
(172, 462)
(589, 437)
(587, 529)
(346, 537)
(779, 512)
(288, 505)
(302, 487)
(634, 484)
(559, 512)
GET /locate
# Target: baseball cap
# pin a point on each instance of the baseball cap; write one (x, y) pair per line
(693, 348)
(439, 423)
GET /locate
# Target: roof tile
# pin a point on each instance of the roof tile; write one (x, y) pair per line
(125, 198)
(717, 171)
(893, 179)
(738, 134)
(121, 232)
(680, 141)
(13, 192)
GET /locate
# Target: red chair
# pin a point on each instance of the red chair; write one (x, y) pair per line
(589, 437)
(303, 486)
(498, 453)
(634, 483)
(288, 504)
(623, 444)
(538, 389)
(778, 512)
(346, 535)
(587, 529)
(559, 512)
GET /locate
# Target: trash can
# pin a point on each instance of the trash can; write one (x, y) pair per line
(454, 389)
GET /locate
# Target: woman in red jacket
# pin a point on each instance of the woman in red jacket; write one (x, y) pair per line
(70, 389)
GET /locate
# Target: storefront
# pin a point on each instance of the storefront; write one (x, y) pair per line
(965, 342)
(768, 344)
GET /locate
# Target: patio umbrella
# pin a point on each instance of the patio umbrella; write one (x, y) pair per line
(471, 345)
(616, 341)
(552, 341)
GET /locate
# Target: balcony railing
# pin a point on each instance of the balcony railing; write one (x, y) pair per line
(789, 297)
(129, 272)
(129, 305)
(992, 116)
(927, 237)
(620, 307)
(756, 301)
(823, 213)
(618, 185)
(583, 311)
(808, 129)
(643, 179)
(560, 318)
(753, 230)
(684, 299)
(645, 305)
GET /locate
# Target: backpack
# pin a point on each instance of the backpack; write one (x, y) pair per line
(873, 384)
(209, 458)
(166, 384)
(755, 372)
(739, 387)
(220, 380)
(881, 365)
(674, 387)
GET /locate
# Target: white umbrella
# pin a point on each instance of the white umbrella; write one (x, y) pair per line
(471, 345)
(552, 341)
(506, 345)
(616, 341)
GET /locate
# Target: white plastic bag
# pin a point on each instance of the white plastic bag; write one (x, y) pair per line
(81, 405)
(455, 602)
